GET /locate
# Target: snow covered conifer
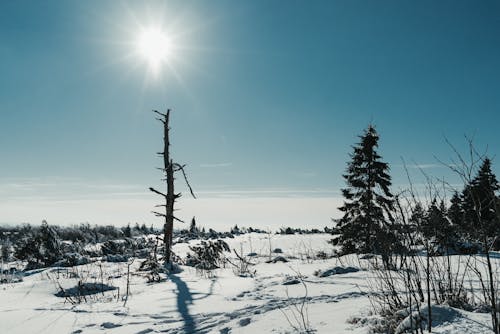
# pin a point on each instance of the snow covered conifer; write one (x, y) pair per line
(49, 245)
(455, 213)
(436, 227)
(367, 224)
(480, 203)
(6, 252)
(127, 231)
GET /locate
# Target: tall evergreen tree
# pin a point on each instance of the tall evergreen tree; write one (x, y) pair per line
(367, 223)
(436, 227)
(455, 213)
(48, 244)
(480, 204)
(481, 214)
(127, 231)
(6, 252)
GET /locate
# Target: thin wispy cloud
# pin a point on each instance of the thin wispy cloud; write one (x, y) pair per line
(305, 174)
(421, 166)
(215, 165)
(271, 192)
(65, 188)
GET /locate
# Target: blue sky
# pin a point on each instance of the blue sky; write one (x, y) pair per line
(268, 97)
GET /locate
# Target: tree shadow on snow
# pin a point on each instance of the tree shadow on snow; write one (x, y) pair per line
(185, 298)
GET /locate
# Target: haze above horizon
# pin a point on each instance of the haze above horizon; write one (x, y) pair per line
(267, 96)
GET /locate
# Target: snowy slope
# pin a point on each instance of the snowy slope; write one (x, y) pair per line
(224, 303)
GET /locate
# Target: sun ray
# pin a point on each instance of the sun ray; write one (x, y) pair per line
(155, 47)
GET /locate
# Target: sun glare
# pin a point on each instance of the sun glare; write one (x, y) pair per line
(155, 47)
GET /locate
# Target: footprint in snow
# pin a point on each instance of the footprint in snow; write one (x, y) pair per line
(145, 331)
(109, 325)
(244, 322)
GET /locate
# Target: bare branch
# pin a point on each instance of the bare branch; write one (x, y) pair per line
(158, 214)
(157, 192)
(179, 220)
(181, 168)
(159, 113)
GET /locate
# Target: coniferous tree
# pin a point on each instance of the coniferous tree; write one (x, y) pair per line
(127, 231)
(6, 250)
(455, 213)
(481, 215)
(41, 248)
(480, 203)
(49, 244)
(436, 227)
(193, 229)
(417, 219)
(367, 223)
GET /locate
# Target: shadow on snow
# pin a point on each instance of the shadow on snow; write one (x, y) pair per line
(184, 298)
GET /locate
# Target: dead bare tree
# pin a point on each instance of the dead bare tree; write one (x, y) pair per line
(169, 168)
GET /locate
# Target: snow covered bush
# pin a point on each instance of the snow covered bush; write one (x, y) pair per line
(242, 264)
(208, 255)
(153, 268)
(72, 259)
(40, 248)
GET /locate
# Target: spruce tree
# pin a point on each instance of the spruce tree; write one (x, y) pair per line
(6, 252)
(48, 244)
(417, 219)
(367, 223)
(455, 213)
(192, 228)
(127, 231)
(436, 227)
(480, 204)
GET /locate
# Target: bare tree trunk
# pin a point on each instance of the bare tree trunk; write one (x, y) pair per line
(428, 281)
(170, 198)
(494, 311)
(169, 167)
(169, 219)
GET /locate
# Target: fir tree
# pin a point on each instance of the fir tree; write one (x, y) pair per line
(367, 223)
(436, 226)
(40, 248)
(6, 252)
(127, 231)
(192, 228)
(481, 213)
(49, 245)
(455, 213)
(417, 217)
(480, 204)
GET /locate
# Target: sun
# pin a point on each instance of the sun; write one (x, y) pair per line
(155, 47)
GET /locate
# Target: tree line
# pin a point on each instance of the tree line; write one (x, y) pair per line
(416, 234)
(470, 222)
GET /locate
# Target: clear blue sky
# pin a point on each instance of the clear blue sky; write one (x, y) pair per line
(268, 96)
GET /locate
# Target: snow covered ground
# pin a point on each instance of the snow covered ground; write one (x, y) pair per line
(220, 303)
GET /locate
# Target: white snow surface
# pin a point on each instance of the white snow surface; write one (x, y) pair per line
(188, 302)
